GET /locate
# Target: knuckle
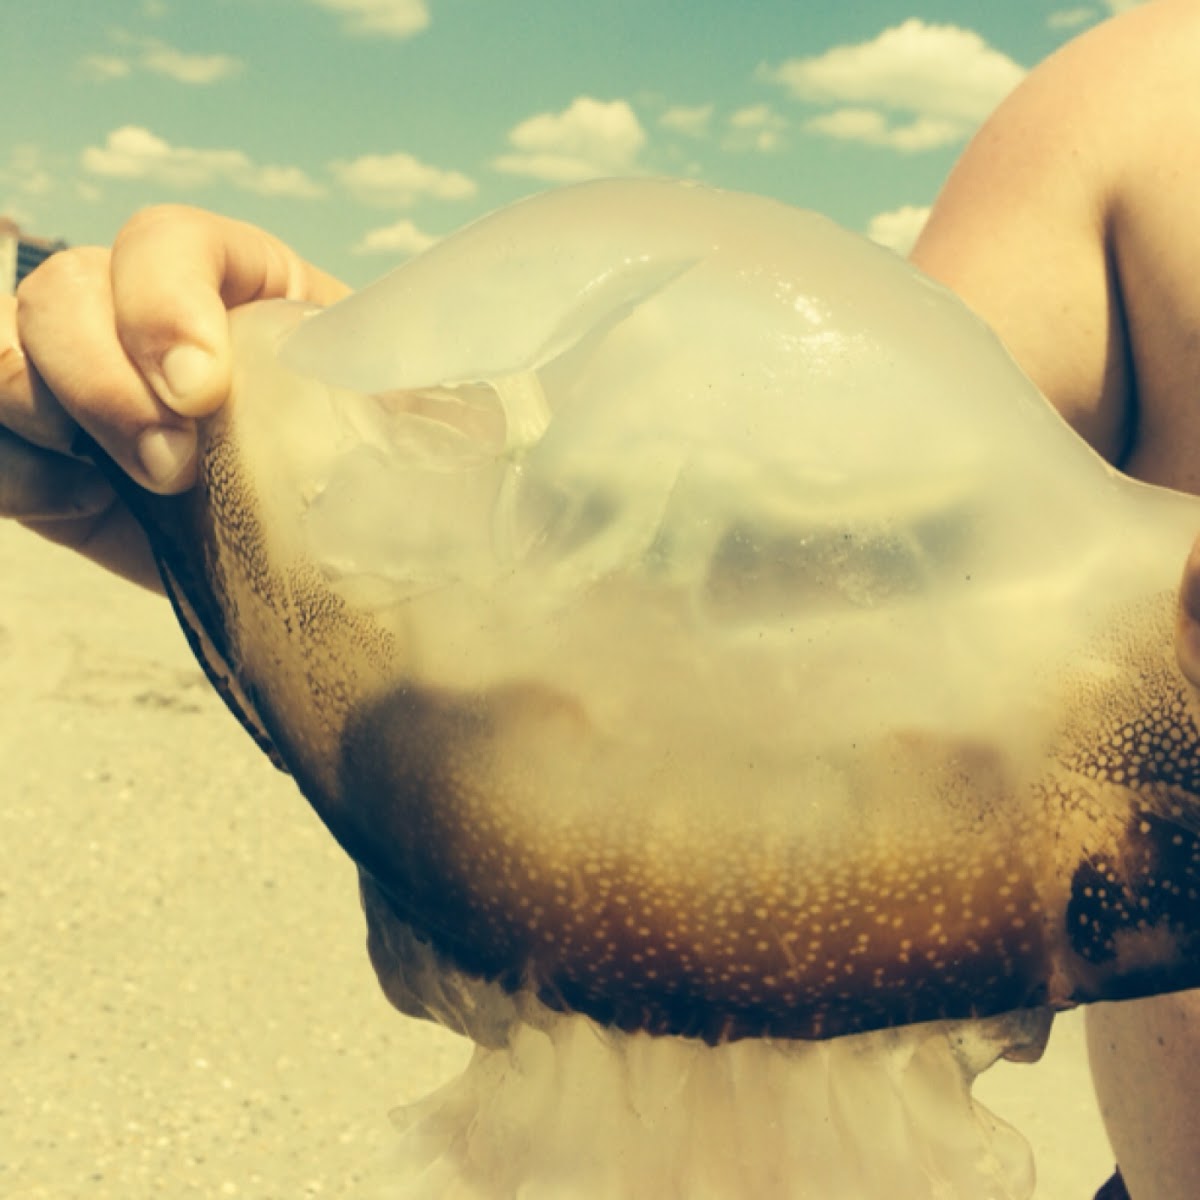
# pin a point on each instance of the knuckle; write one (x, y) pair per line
(14, 370)
(153, 220)
(67, 269)
(152, 308)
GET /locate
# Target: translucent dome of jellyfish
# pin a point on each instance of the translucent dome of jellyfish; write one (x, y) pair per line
(751, 709)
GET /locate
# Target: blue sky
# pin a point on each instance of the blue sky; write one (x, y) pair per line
(359, 130)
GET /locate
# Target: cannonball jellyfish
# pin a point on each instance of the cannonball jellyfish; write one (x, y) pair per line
(750, 707)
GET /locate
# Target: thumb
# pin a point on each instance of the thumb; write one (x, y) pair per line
(176, 271)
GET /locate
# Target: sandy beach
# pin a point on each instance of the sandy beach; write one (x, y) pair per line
(186, 1008)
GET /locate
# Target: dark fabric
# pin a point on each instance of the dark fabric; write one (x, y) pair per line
(1114, 1189)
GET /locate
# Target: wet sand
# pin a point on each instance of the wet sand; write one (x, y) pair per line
(186, 1008)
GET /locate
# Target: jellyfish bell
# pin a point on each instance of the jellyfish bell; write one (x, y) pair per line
(720, 663)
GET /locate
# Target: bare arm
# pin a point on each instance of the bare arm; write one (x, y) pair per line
(1070, 226)
(1020, 233)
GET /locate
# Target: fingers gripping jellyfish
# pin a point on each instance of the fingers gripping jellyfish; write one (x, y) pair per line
(751, 709)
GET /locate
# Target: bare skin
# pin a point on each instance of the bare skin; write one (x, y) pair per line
(1069, 225)
(105, 329)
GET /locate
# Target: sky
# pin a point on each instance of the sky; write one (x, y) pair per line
(362, 130)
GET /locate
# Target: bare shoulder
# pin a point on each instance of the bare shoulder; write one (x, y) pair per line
(1154, 235)
(1036, 225)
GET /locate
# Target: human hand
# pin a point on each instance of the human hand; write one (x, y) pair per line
(130, 346)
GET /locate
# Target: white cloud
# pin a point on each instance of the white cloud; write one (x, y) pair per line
(25, 171)
(872, 127)
(103, 67)
(943, 79)
(400, 179)
(132, 152)
(159, 58)
(271, 180)
(690, 120)
(940, 69)
(589, 138)
(1071, 18)
(401, 238)
(24, 180)
(899, 227)
(393, 18)
(755, 127)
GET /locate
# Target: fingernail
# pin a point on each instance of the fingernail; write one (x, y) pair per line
(166, 453)
(187, 372)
